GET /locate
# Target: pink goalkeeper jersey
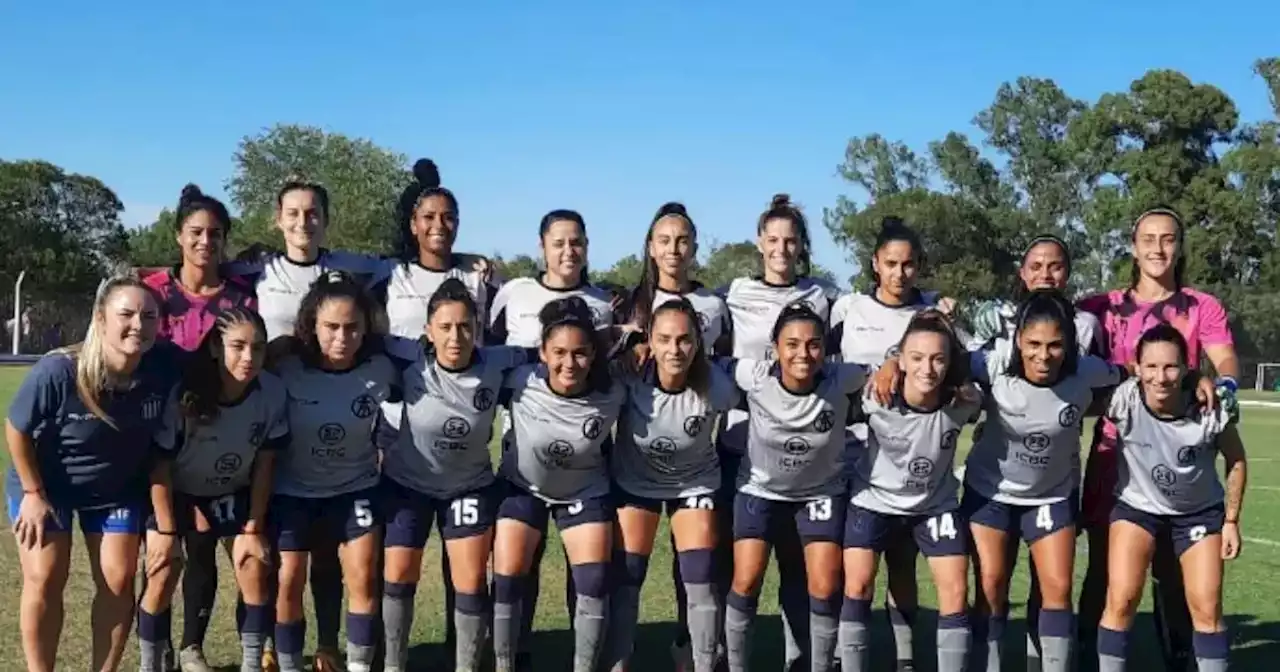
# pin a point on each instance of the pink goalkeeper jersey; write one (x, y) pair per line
(186, 318)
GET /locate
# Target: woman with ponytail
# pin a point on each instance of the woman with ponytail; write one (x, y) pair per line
(782, 237)
(1157, 293)
(427, 216)
(904, 491)
(233, 420)
(191, 296)
(562, 411)
(91, 435)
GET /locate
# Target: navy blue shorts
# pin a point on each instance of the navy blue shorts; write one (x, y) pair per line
(409, 514)
(127, 519)
(623, 499)
(816, 520)
(1031, 523)
(937, 536)
(1186, 530)
(521, 505)
(226, 514)
(300, 522)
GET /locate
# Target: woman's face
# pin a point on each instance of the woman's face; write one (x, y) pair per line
(1161, 370)
(925, 359)
(129, 320)
(340, 330)
(1043, 349)
(1044, 267)
(243, 351)
(672, 246)
(895, 267)
(568, 352)
(201, 239)
(435, 225)
(564, 249)
(780, 246)
(673, 342)
(800, 350)
(301, 219)
(1155, 245)
(452, 330)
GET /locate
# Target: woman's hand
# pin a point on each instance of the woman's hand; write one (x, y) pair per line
(249, 546)
(884, 382)
(33, 514)
(1207, 394)
(1231, 541)
(947, 306)
(162, 551)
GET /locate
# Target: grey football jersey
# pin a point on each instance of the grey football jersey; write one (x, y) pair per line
(443, 444)
(795, 447)
(217, 458)
(554, 447)
(869, 329)
(332, 420)
(907, 468)
(281, 283)
(664, 447)
(1028, 452)
(754, 306)
(513, 317)
(713, 314)
(409, 289)
(1167, 464)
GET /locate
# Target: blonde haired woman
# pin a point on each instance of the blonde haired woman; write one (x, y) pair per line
(84, 432)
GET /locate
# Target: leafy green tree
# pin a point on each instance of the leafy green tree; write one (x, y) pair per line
(364, 182)
(519, 266)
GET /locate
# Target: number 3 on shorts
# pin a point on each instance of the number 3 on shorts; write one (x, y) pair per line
(942, 527)
(466, 511)
(364, 516)
(575, 508)
(820, 510)
(1044, 517)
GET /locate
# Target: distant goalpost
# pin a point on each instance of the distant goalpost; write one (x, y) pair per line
(1260, 382)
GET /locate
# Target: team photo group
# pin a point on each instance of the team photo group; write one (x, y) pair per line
(315, 413)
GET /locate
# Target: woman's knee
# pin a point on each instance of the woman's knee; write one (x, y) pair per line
(45, 578)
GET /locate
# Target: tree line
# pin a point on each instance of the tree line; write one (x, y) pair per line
(1044, 162)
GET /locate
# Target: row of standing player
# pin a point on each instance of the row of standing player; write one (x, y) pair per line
(910, 255)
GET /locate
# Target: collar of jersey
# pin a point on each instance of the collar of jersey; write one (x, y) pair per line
(917, 298)
(543, 285)
(1142, 397)
(248, 392)
(650, 376)
(776, 372)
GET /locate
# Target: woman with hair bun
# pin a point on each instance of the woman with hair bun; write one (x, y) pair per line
(782, 238)
(427, 217)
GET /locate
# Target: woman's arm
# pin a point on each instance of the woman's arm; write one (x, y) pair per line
(1232, 449)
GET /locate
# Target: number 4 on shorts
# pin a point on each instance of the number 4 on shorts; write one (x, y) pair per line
(1044, 517)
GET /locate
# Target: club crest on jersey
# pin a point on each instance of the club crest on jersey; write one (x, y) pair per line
(1036, 443)
(592, 426)
(661, 452)
(1187, 455)
(599, 316)
(151, 407)
(704, 320)
(693, 425)
(1163, 475)
(949, 439)
(826, 420)
(364, 406)
(1069, 415)
(557, 454)
(796, 445)
(483, 399)
(456, 427)
(227, 463)
(332, 433)
(920, 467)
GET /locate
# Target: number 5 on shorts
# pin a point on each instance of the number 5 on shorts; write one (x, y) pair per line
(466, 511)
(364, 515)
(820, 509)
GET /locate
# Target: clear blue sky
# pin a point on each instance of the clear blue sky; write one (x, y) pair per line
(609, 108)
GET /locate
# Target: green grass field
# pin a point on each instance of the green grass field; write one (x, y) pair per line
(1252, 593)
